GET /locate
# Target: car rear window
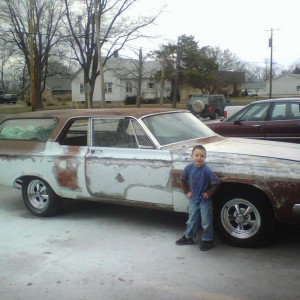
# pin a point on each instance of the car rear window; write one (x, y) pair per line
(27, 129)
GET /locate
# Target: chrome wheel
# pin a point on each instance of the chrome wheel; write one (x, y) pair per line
(38, 194)
(240, 218)
(39, 197)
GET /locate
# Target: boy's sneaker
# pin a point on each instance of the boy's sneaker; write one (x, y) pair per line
(206, 245)
(185, 241)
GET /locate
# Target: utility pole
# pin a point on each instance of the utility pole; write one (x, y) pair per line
(271, 61)
(31, 53)
(174, 102)
(100, 64)
(139, 79)
(162, 80)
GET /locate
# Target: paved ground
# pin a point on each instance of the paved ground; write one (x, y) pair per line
(105, 252)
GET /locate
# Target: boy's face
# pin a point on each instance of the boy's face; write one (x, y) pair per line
(199, 157)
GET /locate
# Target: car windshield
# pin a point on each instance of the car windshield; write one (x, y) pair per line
(172, 128)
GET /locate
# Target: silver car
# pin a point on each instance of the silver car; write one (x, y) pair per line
(135, 157)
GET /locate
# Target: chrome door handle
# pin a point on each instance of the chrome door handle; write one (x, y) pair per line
(93, 151)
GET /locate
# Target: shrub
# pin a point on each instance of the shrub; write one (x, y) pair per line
(130, 100)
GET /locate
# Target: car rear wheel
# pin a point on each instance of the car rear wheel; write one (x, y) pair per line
(244, 218)
(216, 115)
(39, 197)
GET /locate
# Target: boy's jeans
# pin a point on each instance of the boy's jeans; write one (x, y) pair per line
(200, 212)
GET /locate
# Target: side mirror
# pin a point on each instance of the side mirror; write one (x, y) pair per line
(237, 122)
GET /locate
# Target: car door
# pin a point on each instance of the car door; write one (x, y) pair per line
(119, 166)
(284, 122)
(250, 123)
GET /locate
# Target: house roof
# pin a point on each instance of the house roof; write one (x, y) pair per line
(230, 76)
(58, 83)
(128, 68)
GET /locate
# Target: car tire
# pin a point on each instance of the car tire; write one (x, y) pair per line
(216, 115)
(198, 106)
(244, 218)
(39, 197)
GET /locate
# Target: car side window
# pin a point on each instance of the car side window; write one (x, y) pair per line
(142, 138)
(285, 111)
(257, 112)
(27, 129)
(113, 132)
(76, 133)
(295, 109)
(278, 112)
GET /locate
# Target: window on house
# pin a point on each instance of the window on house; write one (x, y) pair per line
(81, 88)
(128, 87)
(150, 85)
(108, 87)
(298, 87)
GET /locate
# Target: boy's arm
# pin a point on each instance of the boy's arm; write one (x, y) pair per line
(212, 189)
(184, 185)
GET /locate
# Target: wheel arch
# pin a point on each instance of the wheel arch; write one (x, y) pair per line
(21, 179)
(230, 187)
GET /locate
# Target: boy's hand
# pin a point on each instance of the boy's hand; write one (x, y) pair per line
(189, 195)
(205, 196)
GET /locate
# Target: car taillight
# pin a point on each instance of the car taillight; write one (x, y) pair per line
(225, 114)
(210, 108)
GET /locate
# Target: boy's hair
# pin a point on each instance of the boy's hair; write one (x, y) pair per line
(199, 147)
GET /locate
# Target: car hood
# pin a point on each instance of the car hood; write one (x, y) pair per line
(254, 147)
(244, 147)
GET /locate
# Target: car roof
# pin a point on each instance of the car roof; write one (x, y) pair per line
(277, 100)
(73, 113)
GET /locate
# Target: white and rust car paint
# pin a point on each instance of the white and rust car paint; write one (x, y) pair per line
(260, 181)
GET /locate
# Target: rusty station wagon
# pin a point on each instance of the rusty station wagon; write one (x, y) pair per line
(135, 157)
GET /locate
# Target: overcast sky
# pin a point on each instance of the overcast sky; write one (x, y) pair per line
(241, 26)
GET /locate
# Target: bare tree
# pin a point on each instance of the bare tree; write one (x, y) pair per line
(117, 28)
(226, 60)
(6, 53)
(48, 16)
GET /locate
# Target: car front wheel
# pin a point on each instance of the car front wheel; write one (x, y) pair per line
(39, 197)
(244, 219)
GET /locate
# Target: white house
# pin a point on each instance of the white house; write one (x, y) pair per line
(285, 85)
(258, 88)
(120, 77)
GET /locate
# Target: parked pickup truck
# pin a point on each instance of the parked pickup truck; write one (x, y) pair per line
(231, 109)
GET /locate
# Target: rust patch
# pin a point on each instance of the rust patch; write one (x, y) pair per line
(284, 193)
(66, 171)
(176, 179)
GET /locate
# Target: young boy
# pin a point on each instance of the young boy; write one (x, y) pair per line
(199, 183)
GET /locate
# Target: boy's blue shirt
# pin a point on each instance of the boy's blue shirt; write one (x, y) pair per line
(199, 179)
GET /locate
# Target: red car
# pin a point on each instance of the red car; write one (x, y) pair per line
(272, 119)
